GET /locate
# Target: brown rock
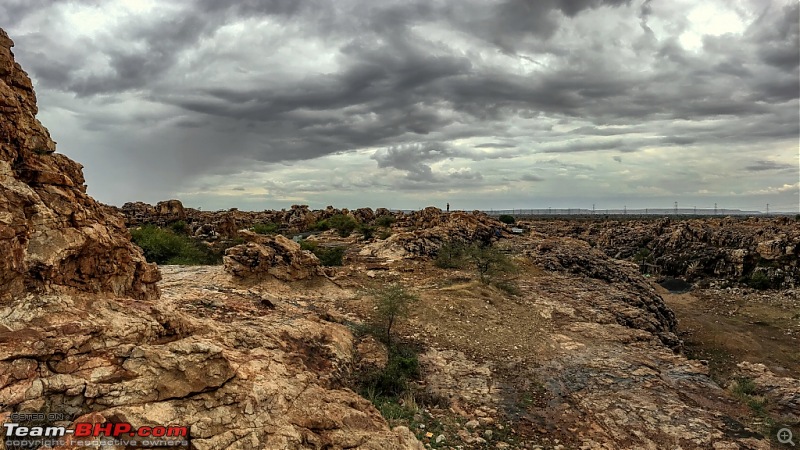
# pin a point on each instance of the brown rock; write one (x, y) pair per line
(52, 235)
(274, 256)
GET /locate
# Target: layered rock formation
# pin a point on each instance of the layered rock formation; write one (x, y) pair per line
(723, 248)
(422, 233)
(211, 225)
(53, 236)
(243, 369)
(274, 256)
(636, 306)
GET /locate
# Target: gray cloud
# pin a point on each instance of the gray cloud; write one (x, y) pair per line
(453, 95)
(761, 165)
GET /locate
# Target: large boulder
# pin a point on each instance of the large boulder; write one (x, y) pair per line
(275, 256)
(53, 236)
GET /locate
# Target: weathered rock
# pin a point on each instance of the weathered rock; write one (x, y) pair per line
(207, 355)
(274, 256)
(723, 248)
(783, 392)
(53, 236)
(640, 308)
(424, 232)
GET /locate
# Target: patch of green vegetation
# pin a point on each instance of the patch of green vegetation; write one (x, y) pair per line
(164, 246)
(507, 219)
(492, 264)
(385, 221)
(179, 227)
(759, 280)
(743, 386)
(266, 228)
(451, 255)
(392, 304)
(328, 256)
(367, 231)
(642, 255)
(342, 223)
(384, 234)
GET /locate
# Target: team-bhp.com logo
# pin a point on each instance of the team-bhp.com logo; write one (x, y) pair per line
(95, 434)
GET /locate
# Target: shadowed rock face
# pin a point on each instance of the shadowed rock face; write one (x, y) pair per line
(53, 236)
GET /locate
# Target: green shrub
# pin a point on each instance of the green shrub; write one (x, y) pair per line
(490, 262)
(164, 246)
(392, 303)
(179, 227)
(368, 231)
(507, 219)
(385, 221)
(642, 255)
(266, 228)
(451, 256)
(328, 256)
(384, 234)
(342, 223)
(759, 280)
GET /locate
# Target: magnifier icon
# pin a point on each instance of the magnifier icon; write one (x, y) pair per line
(785, 436)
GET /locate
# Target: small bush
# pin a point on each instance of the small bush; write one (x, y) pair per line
(367, 231)
(164, 246)
(384, 234)
(393, 304)
(266, 228)
(490, 263)
(507, 219)
(759, 280)
(385, 221)
(328, 256)
(179, 227)
(392, 380)
(343, 224)
(451, 256)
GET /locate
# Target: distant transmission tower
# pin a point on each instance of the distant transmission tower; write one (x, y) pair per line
(676, 208)
(715, 209)
(767, 208)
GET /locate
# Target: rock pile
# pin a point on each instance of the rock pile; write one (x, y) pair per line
(274, 256)
(53, 236)
(422, 233)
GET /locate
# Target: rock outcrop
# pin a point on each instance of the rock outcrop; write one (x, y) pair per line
(422, 233)
(53, 236)
(722, 248)
(637, 305)
(274, 256)
(242, 369)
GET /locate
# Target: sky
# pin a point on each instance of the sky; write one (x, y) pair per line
(405, 104)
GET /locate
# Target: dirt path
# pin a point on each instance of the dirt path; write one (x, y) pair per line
(727, 327)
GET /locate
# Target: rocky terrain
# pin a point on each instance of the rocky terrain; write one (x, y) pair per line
(52, 234)
(732, 249)
(581, 351)
(84, 334)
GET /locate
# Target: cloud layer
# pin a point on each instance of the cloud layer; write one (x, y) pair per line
(258, 104)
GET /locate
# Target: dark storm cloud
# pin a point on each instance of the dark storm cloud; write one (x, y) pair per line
(531, 177)
(211, 87)
(761, 165)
